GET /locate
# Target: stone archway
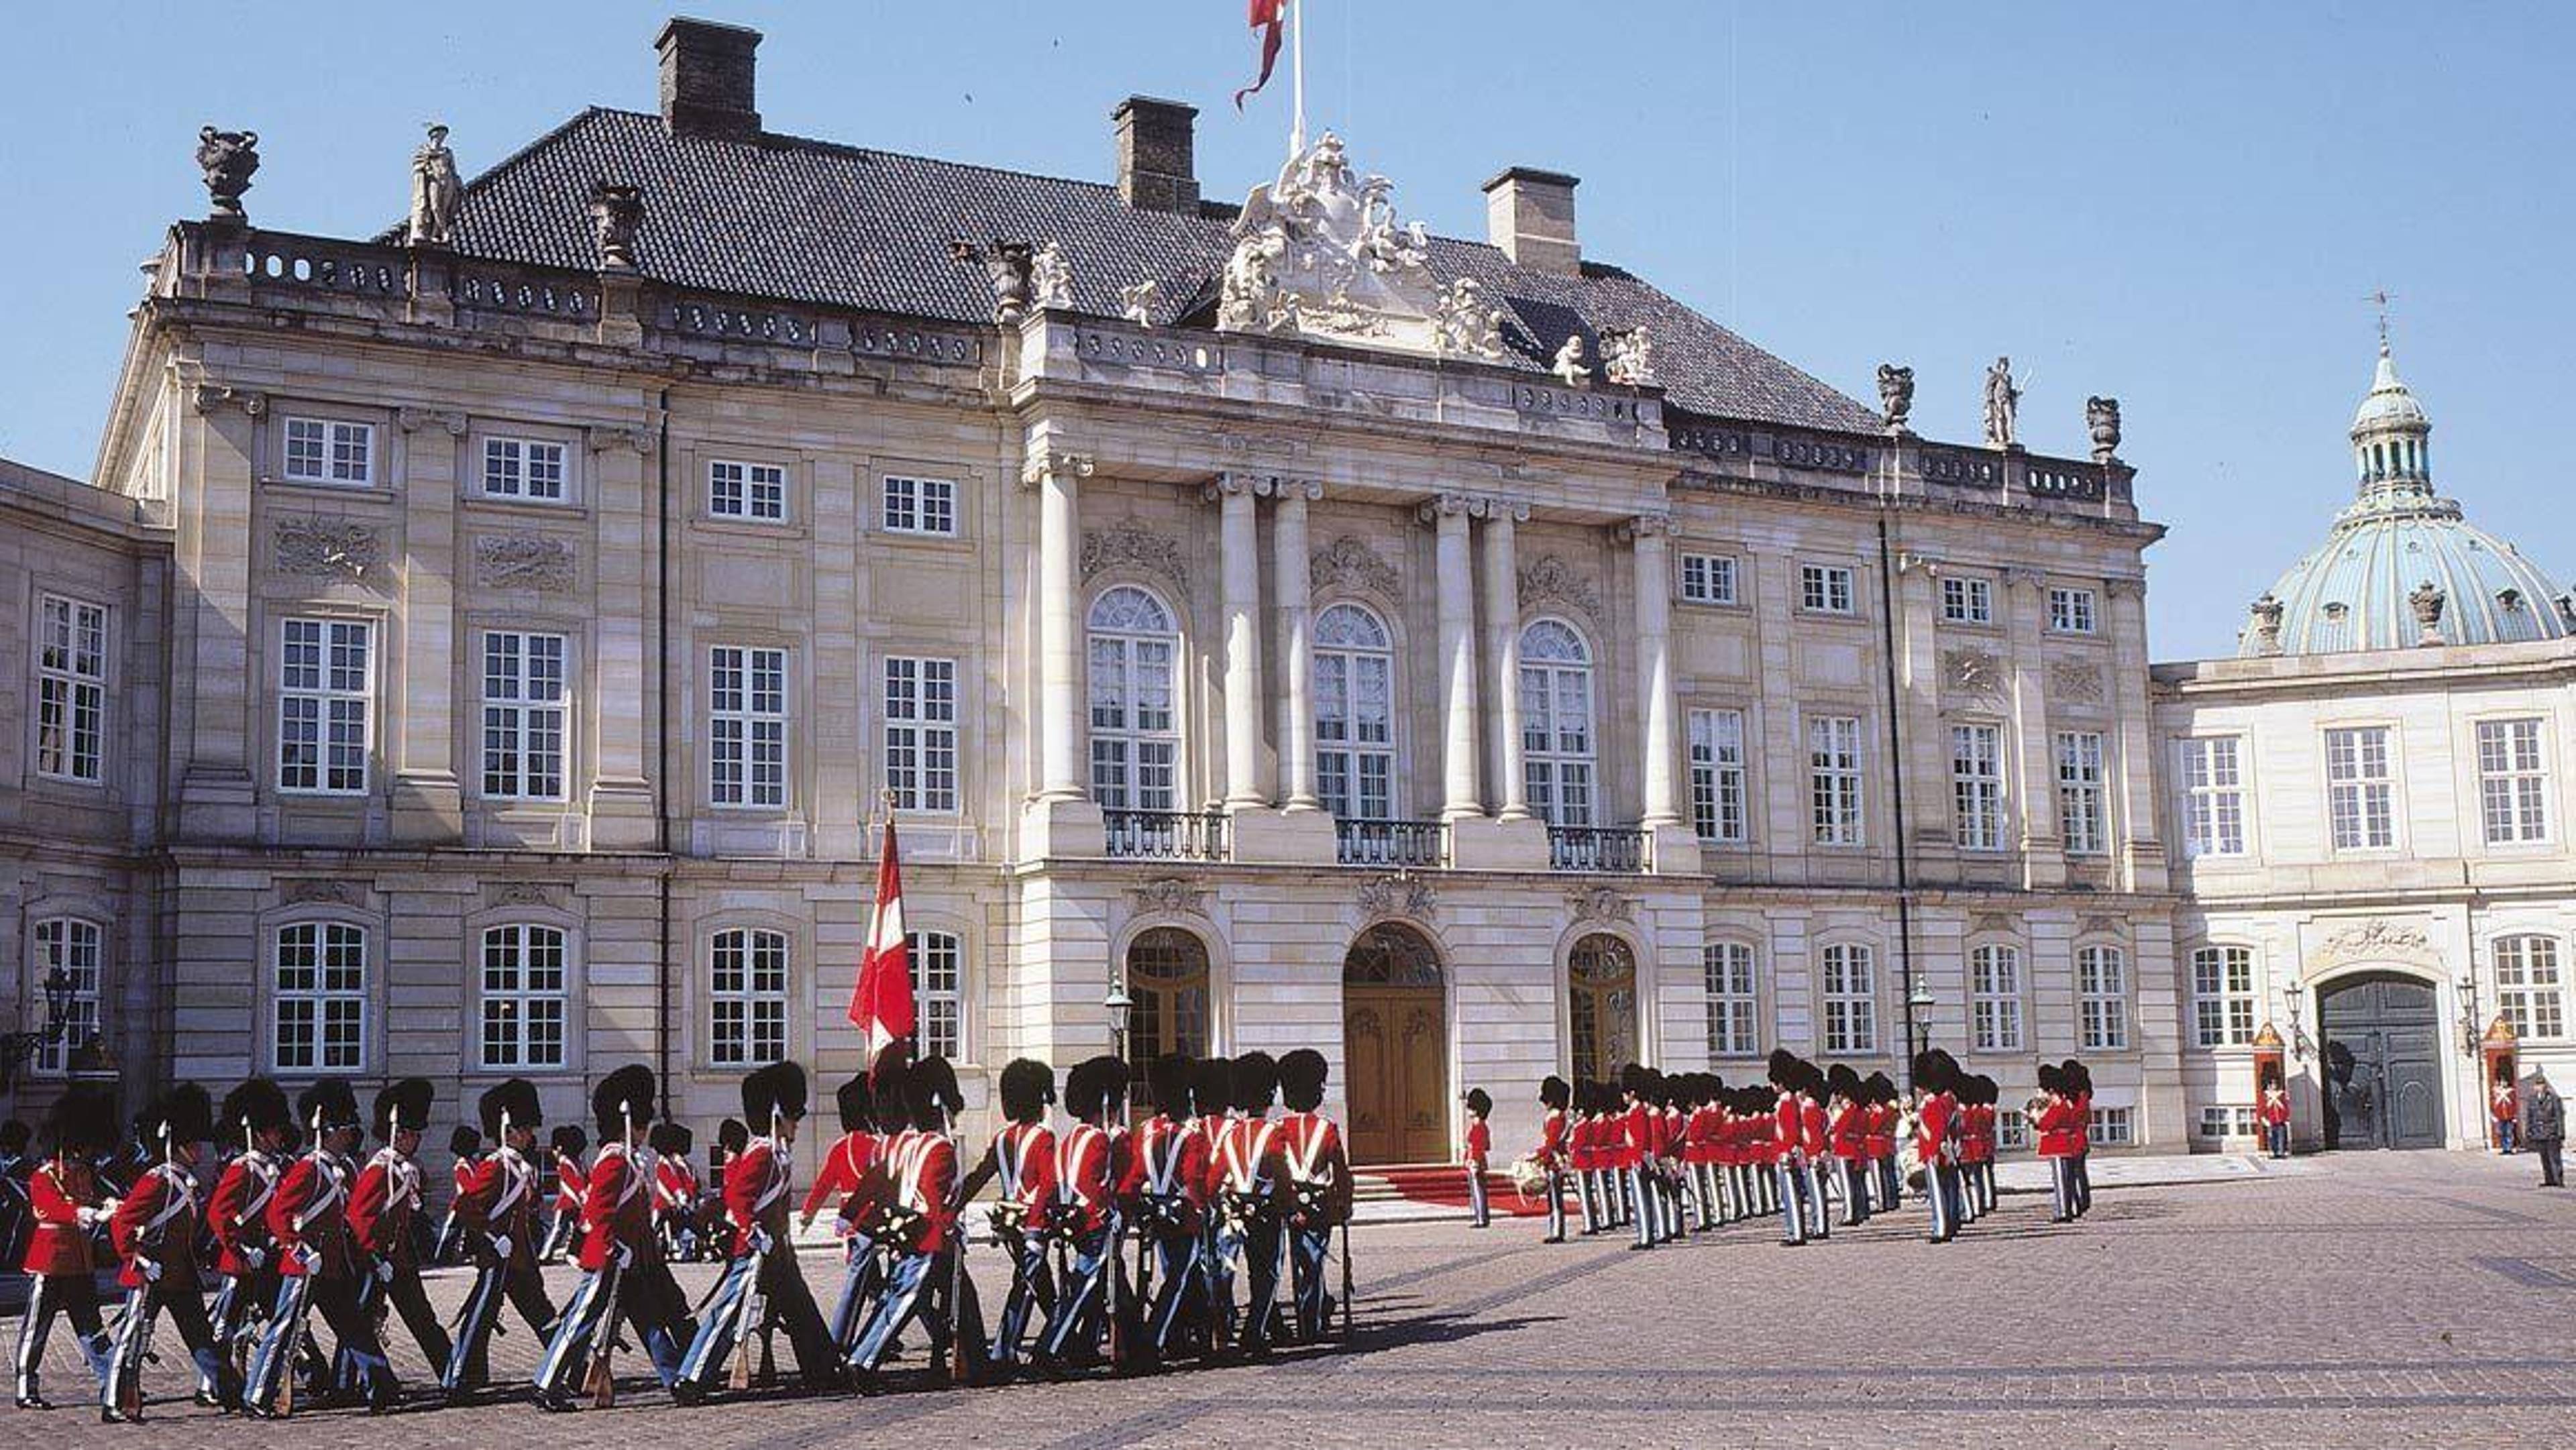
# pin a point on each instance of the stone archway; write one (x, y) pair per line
(1395, 1042)
(2380, 1053)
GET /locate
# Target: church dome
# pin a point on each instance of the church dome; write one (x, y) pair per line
(2402, 566)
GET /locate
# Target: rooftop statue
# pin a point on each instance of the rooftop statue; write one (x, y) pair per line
(1628, 356)
(2003, 404)
(1570, 363)
(436, 191)
(1319, 252)
(1050, 279)
(227, 158)
(1896, 395)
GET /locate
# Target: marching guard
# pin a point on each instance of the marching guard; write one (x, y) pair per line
(1084, 1218)
(917, 1221)
(1167, 1187)
(566, 1148)
(761, 1283)
(1936, 1138)
(1555, 1095)
(496, 1218)
(623, 1275)
(1022, 1158)
(155, 1230)
(384, 1207)
(849, 1166)
(464, 1147)
(676, 1207)
(1480, 1148)
(317, 1263)
(1318, 1180)
(66, 1209)
(1249, 1236)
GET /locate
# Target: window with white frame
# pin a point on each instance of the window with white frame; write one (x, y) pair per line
(1833, 779)
(327, 450)
(2114, 1127)
(1826, 589)
(2227, 1121)
(523, 716)
(919, 506)
(2102, 997)
(1734, 1004)
(747, 725)
(1994, 998)
(1135, 728)
(921, 733)
(2012, 1130)
(1708, 579)
(1851, 998)
(523, 468)
(326, 679)
(939, 965)
(1977, 787)
(526, 977)
(78, 948)
(319, 1006)
(2513, 782)
(1966, 599)
(1718, 812)
(2222, 996)
(742, 490)
(2213, 796)
(746, 997)
(1556, 722)
(2360, 795)
(2530, 993)
(1354, 714)
(71, 689)
(2081, 817)
(2071, 611)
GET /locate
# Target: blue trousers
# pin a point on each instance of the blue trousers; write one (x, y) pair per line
(1478, 1211)
(1819, 1222)
(187, 1311)
(468, 1362)
(2083, 1184)
(1797, 1214)
(1310, 1254)
(1641, 1195)
(1891, 1184)
(1183, 1258)
(74, 1296)
(298, 1297)
(1856, 1176)
(1555, 1204)
(1032, 1287)
(721, 1322)
(2061, 1189)
(904, 1286)
(1941, 1192)
(647, 1301)
(2276, 1139)
(1258, 1248)
(1082, 1309)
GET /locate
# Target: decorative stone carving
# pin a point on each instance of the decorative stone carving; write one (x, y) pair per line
(1644, 526)
(1549, 579)
(436, 191)
(2074, 682)
(633, 440)
(2567, 610)
(616, 215)
(1400, 893)
(210, 396)
(2265, 622)
(415, 419)
(1136, 302)
(1972, 672)
(2102, 424)
(547, 894)
(1570, 364)
(2376, 940)
(1896, 395)
(1041, 462)
(1628, 356)
(1467, 326)
(1280, 485)
(540, 562)
(1007, 265)
(2003, 405)
(322, 547)
(1128, 544)
(2427, 601)
(227, 158)
(1599, 903)
(1050, 279)
(308, 891)
(1319, 252)
(2101, 926)
(1985, 922)
(1170, 896)
(1346, 563)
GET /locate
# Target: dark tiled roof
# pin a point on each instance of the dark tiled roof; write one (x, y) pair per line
(831, 225)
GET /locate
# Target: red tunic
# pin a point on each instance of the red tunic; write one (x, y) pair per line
(157, 1220)
(1552, 1138)
(1086, 1180)
(1169, 1161)
(1932, 1123)
(57, 1194)
(1878, 1139)
(499, 1199)
(1636, 1135)
(616, 1208)
(310, 1212)
(571, 1184)
(1308, 1151)
(2275, 1111)
(1480, 1143)
(381, 1205)
(1847, 1135)
(2061, 1129)
(755, 1194)
(845, 1167)
(1242, 1154)
(237, 1215)
(923, 1167)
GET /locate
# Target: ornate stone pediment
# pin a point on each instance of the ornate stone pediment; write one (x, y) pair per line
(549, 894)
(1128, 544)
(1972, 672)
(1346, 563)
(1170, 896)
(2377, 939)
(2074, 682)
(1549, 579)
(1599, 903)
(526, 561)
(1399, 894)
(308, 891)
(327, 548)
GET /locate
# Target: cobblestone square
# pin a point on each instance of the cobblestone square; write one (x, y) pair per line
(2359, 1299)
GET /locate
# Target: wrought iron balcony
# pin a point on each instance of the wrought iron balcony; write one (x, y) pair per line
(1391, 843)
(1166, 835)
(1616, 849)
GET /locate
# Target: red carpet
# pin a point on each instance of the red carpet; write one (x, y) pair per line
(1439, 1185)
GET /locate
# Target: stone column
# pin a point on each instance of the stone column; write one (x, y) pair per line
(1056, 477)
(213, 689)
(1239, 594)
(621, 789)
(1296, 613)
(1448, 515)
(1502, 604)
(1647, 533)
(428, 806)
(2033, 786)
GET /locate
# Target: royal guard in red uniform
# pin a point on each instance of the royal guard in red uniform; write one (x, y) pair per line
(917, 1222)
(464, 1146)
(1212, 1103)
(623, 1274)
(1667, 1136)
(1847, 1139)
(1315, 1172)
(1021, 1158)
(1631, 1148)
(676, 1195)
(155, 1229)
(1977, 1145)
(16, 1165)
(1166, 1194)
(1248, 1234)
(1479, 1149)
(2079, 1089)
(384, 1211)
(2504, 1105)
(1085, 1219)
(2274, 1111)
(849, 1165)
(1583, 1155)
(2055, 1125)
(257, 1113)
(1936, 1138)
(496, 1222)
(318, 1262)
(761, 1284)
(1555, 1132)
(1879, 1142)
(66, 1209)
(568, 1149)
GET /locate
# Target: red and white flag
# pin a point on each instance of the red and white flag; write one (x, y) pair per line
(881, 1000)
(1267, 16)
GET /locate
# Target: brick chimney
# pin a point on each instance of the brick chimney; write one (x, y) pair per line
(1157, 155)
(708, 79)
(1530, 215)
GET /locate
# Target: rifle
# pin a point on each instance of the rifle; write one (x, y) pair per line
(960, 1371)
(1114, 1264)
(603, 1350)
(755, 1306)
(1346, 1278)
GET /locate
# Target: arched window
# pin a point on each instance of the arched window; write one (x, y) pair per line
(79, 948)
(1556, 722)
(1354, 714)
(1135, 728)
(525, 975)
(1167, 992)
(2530, 992)
(746, 997)
(1601, 1006)
(1391, 955)
(320, 1001)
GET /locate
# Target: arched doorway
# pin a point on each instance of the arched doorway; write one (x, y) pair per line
(1167, 993)
(1601, 1006)
(2382, 1045)
(1395, 1038)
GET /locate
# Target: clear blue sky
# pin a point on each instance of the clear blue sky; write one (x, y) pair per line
(2180, 204)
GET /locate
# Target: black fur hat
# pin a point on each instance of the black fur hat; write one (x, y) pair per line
(329, 1104)
(1167, 1078)
(1094, 1086)
(510, 1103)
(1254, 1083)
(1783, 1068)
(1301, 1079)
(857, 1103)
(404, 1105)
(1211, 1086)
(568, 1141)
(775, 1091)
(1480, 1102)
(82, 1120)
(1555, 1092)
(1881, 1088)
(185, 1113)
(1028, 1087)
(2052, 1079)
(1632, 1079)
(464, 1141)
(624, 1096)
(1842, 1081)
(732, 1137)
(930, 1094)
(672, 1140)
(2079, 1078)
(257, 1106)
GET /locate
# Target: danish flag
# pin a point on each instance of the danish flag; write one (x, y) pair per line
(881, 1000)
(1266, 18)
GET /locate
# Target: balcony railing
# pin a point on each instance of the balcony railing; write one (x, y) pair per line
(1391, 843)
(1167, 835)
(1596, 848)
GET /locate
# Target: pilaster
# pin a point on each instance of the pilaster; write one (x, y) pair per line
(2033, 787)
(1448, 515)
(428, 802)
(622, 484)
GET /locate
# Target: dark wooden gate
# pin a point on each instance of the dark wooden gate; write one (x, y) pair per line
(2383, 1063)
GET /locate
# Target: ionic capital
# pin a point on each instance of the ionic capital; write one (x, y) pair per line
(1044, 463)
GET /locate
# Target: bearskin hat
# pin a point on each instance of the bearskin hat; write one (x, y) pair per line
(1255, 1081)
(1555, 1092)
(1927, 1072)
(1843, 1082)
(184, 1114)
(775, 1091)
(623, 1097)
(731, 1138)
(257, 1106)
(2079, 1078)
(1782, 1067)
(404, 1105)
(464, 1141)
(511, 1103)
(1028, 1086)
(1881, 1088)
(569, 1141)
(1212, 1086)
(1301, 1079)
(1480, 1102)
(1087, 1086)
(930, 1094)
(671, 1140)
(326, 1105)
(1167, 1078)
(83, 1120)
(856, 1101)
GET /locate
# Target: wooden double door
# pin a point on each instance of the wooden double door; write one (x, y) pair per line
(1395, 1043)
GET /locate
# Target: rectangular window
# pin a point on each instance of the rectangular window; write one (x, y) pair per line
(1833, 761)
(326, 679)
(2114, 1127)
(1717, 775)
(1977, 786)
(2071, 611)
(920, 506)
(2213, 797)
(921, 733)
(2513, 782)
(321, 998)
(524, 1004)
(1734, 1008)
(2012, 1130)
(747, 726)
(71, 689)
(2228, 1121)
(324, 450)
(747, 997)
(1851, 999)
(1825, 589)
(79, 949)
(2080, 814)
(1967, 600)
(1708, 579)
(2529, 991)
(1995, 998)
(939, 965)
(2360, 797)
(2222, 989)
(523, 716)
(2102, 997)
(525, 468)
(755, 491)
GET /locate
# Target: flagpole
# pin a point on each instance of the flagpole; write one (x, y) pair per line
(1297, 75)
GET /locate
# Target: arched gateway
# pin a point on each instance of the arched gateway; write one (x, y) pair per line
(2382, 1046)
(1395, 1038)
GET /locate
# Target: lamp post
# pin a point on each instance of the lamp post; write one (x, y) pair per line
(2469, 1029)
(19, 1048)
(2299, 1043)
(1918, 1022)
(1116, 1004)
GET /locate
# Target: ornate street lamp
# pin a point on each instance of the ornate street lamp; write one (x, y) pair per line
(19, 1048)
(2299, 1044)
(1918, 1021)
(1117, 1004)
(2469, 1029)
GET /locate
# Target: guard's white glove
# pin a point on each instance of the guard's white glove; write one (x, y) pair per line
(760, 1241)
(151, 1269)
(625, 1255)
(254, 1257)
(88, 1217)
(501, 1245)
(308, 1258)
(384, 1271)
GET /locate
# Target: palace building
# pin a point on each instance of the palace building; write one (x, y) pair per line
(492, 647)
